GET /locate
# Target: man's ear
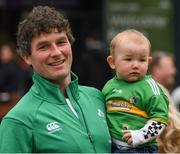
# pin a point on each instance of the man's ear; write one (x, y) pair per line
(110, 61)
(26, 58)
(149, 60)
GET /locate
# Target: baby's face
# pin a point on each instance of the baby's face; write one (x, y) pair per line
(131, 60)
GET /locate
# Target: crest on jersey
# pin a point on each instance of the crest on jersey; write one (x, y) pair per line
(133, 99)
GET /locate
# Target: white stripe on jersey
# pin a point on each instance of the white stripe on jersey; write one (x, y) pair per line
(157, 88)
(154, 86)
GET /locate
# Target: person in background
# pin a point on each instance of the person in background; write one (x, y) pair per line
(9, 78)
(162, 69)
(176, 97)
(91, 66)
(137, 108)
(25, 77)
(169, 140)
(57, 115)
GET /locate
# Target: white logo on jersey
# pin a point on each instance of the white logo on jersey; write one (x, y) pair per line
(53, 126)
(100, 113)
(117, 91)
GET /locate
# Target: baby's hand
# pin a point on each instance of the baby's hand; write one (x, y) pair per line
(127, 136)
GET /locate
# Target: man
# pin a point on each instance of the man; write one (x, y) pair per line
(163, 69)
(57, 115)
(176, 97)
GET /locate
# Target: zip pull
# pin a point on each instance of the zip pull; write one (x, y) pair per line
(91, 140)
(90, 136)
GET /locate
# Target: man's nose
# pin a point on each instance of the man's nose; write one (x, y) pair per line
(55, 50)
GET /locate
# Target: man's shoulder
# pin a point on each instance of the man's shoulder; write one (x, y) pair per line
(25, 110)
(91, 91)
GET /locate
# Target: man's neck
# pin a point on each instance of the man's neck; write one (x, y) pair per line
(63, 84)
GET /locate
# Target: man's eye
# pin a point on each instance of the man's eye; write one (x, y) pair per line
(61, 42)
(43, 47)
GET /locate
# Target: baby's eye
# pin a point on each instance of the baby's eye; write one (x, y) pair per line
(142, 60)
(127, 59)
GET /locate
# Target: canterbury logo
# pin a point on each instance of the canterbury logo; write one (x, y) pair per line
(154, 86)
(53, 126)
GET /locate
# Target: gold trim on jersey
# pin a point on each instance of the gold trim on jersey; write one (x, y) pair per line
(123, 106)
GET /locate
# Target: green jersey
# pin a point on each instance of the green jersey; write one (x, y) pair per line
(42, 121)
(131, 104)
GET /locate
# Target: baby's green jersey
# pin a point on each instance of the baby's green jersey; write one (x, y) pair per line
(131, 104)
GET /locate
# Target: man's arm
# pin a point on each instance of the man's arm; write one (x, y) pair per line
(15, 137)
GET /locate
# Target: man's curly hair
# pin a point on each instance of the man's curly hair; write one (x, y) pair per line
(42, 19)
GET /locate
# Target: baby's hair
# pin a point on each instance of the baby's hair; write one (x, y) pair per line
(169, 140)
(133, 34)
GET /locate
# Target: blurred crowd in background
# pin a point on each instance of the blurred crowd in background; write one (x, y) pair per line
(15, 77)
(90, 49)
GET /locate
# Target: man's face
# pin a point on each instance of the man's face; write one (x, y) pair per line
(166, 72)
(51, 56)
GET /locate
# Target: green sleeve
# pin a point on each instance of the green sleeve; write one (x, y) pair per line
(15, 137)
(157, 108)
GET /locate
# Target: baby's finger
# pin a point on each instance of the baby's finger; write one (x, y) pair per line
(129, 141)
(126, 131)
(126, 136)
